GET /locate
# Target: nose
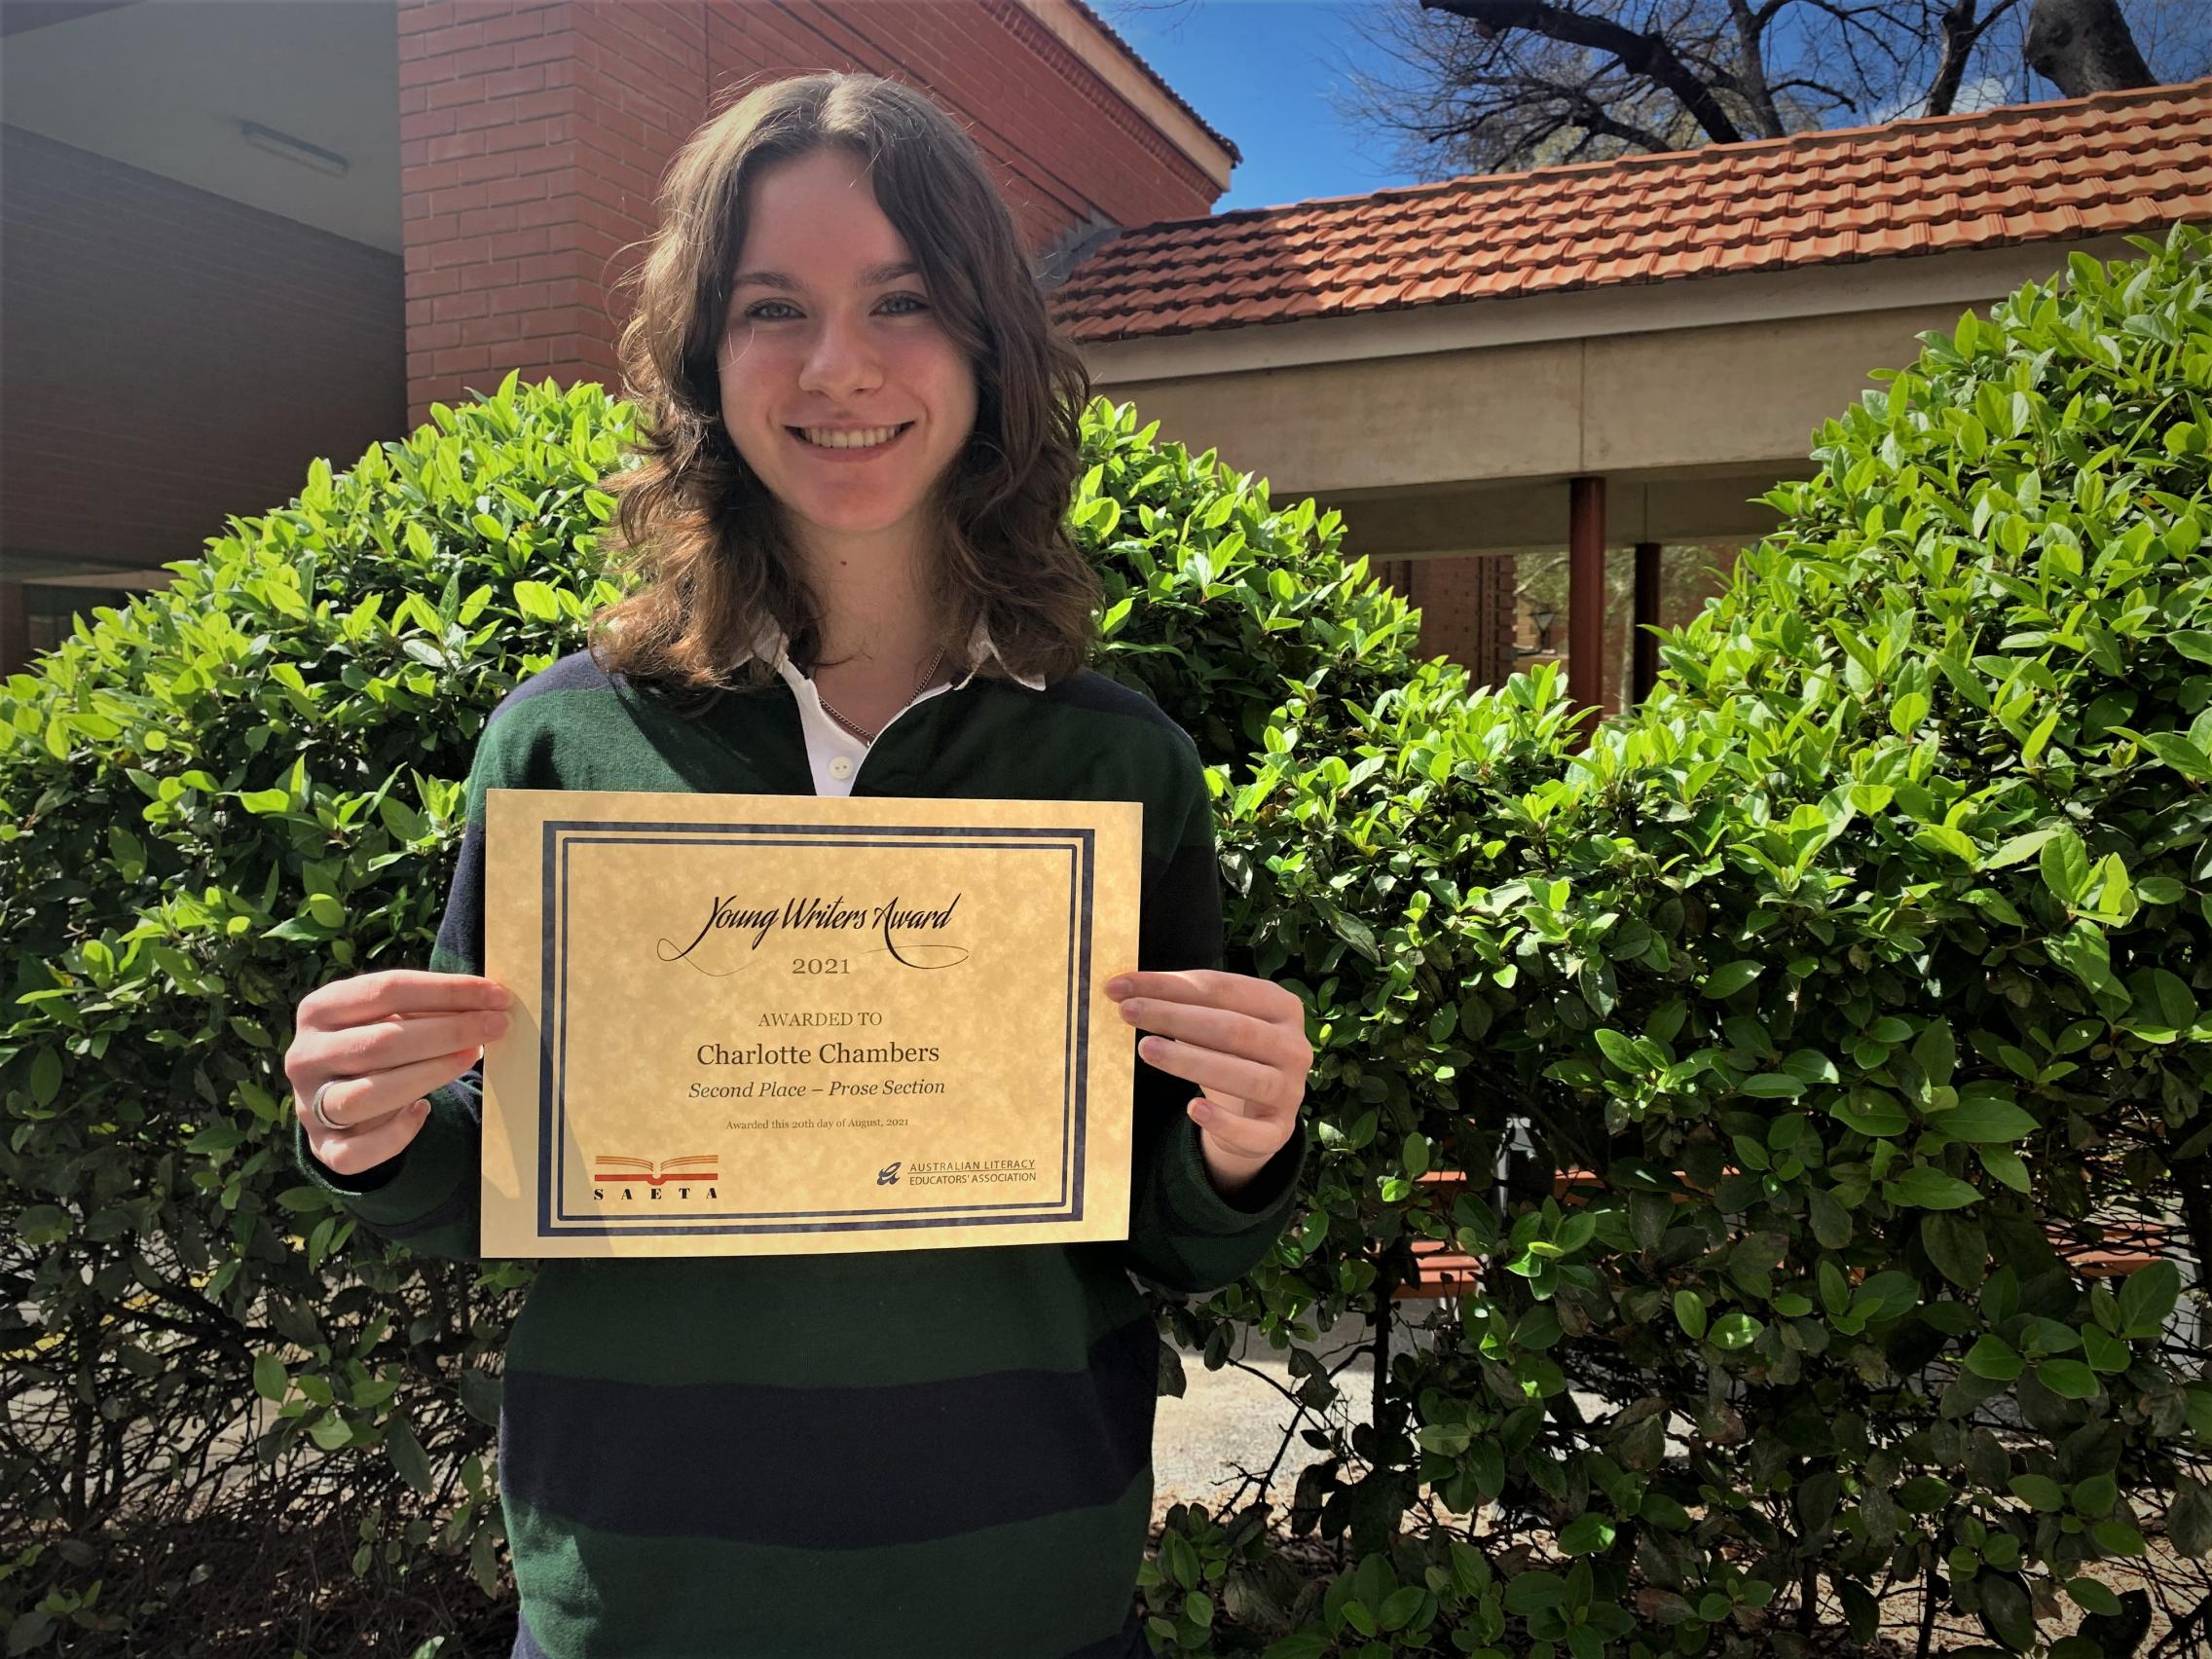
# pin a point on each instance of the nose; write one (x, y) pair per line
(840, 362)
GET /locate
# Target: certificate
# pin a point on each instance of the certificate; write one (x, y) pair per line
(795, 1024)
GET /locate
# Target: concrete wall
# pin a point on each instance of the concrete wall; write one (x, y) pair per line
(1741, 399)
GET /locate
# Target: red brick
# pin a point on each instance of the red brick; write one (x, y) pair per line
(460, 198)
(475, 169)
(489, 112)
(455, 146)
(522, 23)
(487, 330)
(523, 297)
(482, 222)
(462, 37)
(514, 244)
(457, 91)
(454, 307)
(530, 190)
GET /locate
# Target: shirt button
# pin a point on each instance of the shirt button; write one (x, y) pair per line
(840, 767)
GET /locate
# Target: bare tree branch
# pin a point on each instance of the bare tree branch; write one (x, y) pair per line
(1488, 86)
(1648, 55)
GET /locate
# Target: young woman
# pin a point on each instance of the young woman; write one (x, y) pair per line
(861, 436)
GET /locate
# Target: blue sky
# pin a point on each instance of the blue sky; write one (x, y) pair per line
(1260, 71)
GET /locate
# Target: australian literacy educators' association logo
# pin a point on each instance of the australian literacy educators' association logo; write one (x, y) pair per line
(639, 1180)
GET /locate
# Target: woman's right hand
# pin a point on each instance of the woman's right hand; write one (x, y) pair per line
(383, 1041)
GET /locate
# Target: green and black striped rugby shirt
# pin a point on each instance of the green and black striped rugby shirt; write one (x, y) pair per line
(889, 1455)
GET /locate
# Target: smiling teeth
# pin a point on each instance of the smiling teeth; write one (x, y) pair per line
(867, 439)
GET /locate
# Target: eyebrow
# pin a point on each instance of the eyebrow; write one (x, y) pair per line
(873, 277)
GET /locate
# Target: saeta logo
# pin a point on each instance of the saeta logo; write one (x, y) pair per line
(636, 1178)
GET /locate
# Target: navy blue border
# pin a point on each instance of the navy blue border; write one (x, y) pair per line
(561, 835)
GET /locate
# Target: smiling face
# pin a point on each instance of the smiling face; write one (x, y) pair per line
(829, 327)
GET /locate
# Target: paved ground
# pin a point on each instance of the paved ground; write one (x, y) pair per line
(1228, 1417)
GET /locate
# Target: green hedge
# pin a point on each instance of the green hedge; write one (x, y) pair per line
(1860, 974)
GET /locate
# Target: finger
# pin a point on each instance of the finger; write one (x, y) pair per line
(1243, 1137)
(360, 1050)
(369, 997)
(1207, 988)
(365, 1148)
(1213, 1071)
(1220, 1028)
(356, 1103)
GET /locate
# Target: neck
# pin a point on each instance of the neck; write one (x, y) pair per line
(878, 624)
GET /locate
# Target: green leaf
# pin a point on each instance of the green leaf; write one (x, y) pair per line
(2193, 642)
(2082, 952)
(1993, 1357)
(407, 1455)
(2092, 1596)
(2147, 1300)
(1586, 1534)
(1534, 1592)
(2189, 1519)
(2065, 865)
(1774, 1085)
(271, 1380)
(2069, 1379)
(1619, 1049)
(1872, 1113)
(1984, 1118)
(2179, 753)
(1730, 977)
(2096, 1495)
(2038, 1493)
(1736, 1330)
(538, 602)
(1957, 1247)
(1689, 1312)
(1832, 1221)
(46, 1076)
(1924, 1187)
(1956, 842)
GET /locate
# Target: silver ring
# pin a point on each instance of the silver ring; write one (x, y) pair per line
(322, 1117)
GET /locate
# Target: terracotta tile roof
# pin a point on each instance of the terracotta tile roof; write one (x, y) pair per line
(1153, 75)
(2114, 161)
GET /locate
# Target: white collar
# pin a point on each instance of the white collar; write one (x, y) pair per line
(772, 644)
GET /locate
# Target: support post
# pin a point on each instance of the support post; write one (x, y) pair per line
(15, 628)
(1586, 593)
(1646, 674)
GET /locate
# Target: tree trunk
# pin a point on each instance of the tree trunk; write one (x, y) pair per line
(2083, 47)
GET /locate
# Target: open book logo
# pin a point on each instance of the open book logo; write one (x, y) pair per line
(644, 1172)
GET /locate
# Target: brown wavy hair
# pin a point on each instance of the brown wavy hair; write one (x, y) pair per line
(704, 536)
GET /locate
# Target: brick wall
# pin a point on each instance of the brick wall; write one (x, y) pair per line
(534, 136)
(171, 356)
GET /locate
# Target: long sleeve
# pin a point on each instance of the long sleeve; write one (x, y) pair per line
(1184, 1235)
(427, 1197)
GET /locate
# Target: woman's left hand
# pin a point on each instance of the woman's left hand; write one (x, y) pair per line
(1241, 1040)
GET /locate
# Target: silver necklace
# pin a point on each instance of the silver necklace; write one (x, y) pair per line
(854, 726)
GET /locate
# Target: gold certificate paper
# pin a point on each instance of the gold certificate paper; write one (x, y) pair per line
(795, 1024)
